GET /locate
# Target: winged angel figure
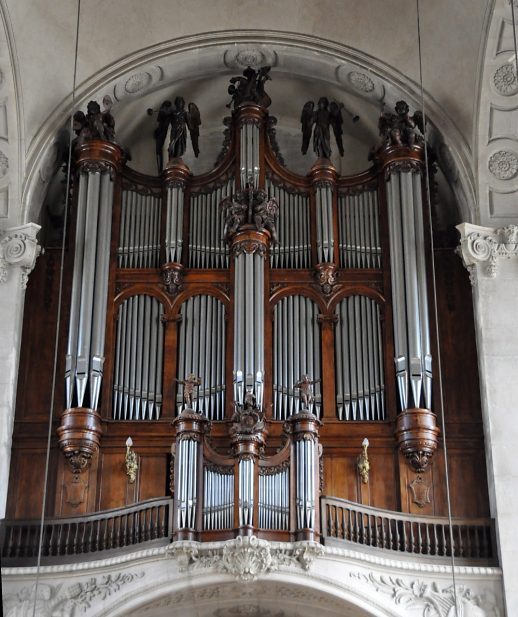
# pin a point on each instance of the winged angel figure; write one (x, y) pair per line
(318, 121)
(179, 119)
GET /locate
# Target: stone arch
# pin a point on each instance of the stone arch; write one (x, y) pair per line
(299, 55)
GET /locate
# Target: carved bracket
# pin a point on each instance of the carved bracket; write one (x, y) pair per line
(19, 247)
(485, 246)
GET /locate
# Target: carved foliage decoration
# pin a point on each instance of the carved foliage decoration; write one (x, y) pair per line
(431, 599)
(245, 558)
(73, 600)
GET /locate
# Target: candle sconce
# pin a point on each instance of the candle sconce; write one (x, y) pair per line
(363, 462)
(131, 461)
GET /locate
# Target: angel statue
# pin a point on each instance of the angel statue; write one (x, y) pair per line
(304, 385)
(189, 383)
(400, 128)
(178, 119)
(318, 121)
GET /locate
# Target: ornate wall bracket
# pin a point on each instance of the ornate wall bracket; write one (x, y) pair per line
(245, 558)
(485, 246)
(19, 248)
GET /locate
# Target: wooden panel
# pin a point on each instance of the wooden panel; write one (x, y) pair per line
(26, 484)
(115, 490)
(153, 474)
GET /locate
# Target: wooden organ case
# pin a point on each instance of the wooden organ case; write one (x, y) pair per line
(264, 346)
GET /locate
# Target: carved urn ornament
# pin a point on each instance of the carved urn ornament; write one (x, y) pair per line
(417, 435)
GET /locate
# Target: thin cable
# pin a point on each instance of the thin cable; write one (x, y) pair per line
(515, 43)
(436, 315)
(58, 318)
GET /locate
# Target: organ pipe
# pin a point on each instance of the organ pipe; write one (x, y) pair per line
(359, 360)
(85, 349)
(358, 228)
(137, 383)
(413, 358)
(296, 352)
(201, 351)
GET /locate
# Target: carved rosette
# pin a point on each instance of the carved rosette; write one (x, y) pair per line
(19, 248)
(417, 435)
(172, 277)
(98, 156)
(485, 246)
(326, 275)
(79, 436)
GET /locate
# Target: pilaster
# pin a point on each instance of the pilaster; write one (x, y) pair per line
(491, 255)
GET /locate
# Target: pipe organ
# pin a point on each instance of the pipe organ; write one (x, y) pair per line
(254, 317)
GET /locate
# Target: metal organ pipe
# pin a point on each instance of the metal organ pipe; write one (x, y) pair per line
(85, 350)
(359, 360)
(358, 229)
(409, 295)
(201, 351)
(296, 352)
(139, 230)
(137, 383)
(324, 219)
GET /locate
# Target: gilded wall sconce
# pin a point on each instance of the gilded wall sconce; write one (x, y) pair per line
(363, 462)
(131, 461)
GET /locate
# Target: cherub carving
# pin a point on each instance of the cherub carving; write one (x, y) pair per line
(265, 217)
(179, 120)
(317, 122)
(189, 383)
(304, 385)
(400, 128)
(250, 87)
(250, 206)
(95, 124)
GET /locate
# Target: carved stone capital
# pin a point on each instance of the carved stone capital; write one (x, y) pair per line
(486, 246)
(19, 248)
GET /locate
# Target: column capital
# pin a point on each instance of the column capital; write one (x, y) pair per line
(486, 246)
(19, 248)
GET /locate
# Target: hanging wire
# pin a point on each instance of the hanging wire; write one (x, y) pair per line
(58, 317)
(436, 315)
(515, 43)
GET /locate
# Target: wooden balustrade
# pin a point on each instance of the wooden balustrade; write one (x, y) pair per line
(348, 522)
(81, 538)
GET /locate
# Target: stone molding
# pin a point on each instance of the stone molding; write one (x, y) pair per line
(245, 558)
(19, 248)
(182, 574)
(485, 246)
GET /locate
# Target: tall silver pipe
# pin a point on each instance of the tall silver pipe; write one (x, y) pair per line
(87, 286)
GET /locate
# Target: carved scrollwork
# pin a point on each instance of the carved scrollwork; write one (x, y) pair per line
(172, 277)
(326, 276)
(97, 167)
(19, 248)
(245, 558)
(485, 245)
(420, 490)
(403, 166)
(78, 461)
(249, 246)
